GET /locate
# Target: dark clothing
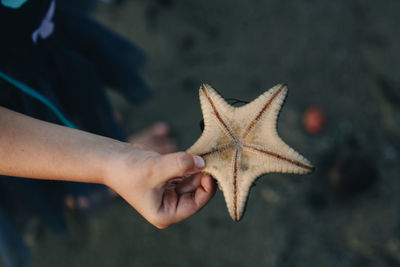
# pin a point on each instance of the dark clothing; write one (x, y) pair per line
(70, 68)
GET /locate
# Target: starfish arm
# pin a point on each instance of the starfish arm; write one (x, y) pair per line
(291, 162)
(223, 173)
(261, 133)
(228, 180)
(265, 108)
(253, 164)
(214, 108)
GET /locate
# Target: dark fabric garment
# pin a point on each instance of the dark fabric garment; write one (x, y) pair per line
(12, 247)
(71, 68)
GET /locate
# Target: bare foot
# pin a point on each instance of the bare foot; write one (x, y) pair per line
(156, 138)
(95, 198)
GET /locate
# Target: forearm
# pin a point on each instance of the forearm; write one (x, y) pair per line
(36, 149)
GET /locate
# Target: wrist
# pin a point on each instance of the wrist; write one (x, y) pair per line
(113, 158)
(124, 165)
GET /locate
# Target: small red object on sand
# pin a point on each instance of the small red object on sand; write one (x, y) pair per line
(313, 120)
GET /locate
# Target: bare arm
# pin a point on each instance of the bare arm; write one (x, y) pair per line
(36, 149)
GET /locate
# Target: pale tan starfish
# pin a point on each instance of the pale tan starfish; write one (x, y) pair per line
(239, 144)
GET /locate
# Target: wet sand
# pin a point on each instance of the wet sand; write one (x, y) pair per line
(341, 56)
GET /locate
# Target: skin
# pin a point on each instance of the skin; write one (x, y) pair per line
(164, 189)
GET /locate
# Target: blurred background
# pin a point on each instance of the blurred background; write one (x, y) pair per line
(340, 60)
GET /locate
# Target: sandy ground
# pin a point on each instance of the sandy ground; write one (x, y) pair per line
(342, 56)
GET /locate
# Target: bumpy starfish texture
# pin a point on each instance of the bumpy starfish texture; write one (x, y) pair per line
(239, 144)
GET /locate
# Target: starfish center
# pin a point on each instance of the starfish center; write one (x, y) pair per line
(238, 143)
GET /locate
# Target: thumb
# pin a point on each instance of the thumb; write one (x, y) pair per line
(180, 163)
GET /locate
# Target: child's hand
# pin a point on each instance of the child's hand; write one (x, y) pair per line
(36, 149)
(164, 189)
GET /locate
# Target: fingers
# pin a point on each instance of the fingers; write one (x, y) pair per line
(205, 191)
(193, 201)
(189, 184)
(185, 199)
(179, 164)
(179, 196)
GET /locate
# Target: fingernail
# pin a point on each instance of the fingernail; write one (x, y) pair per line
(199, 162)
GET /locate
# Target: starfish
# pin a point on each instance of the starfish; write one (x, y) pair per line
(239, 144)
